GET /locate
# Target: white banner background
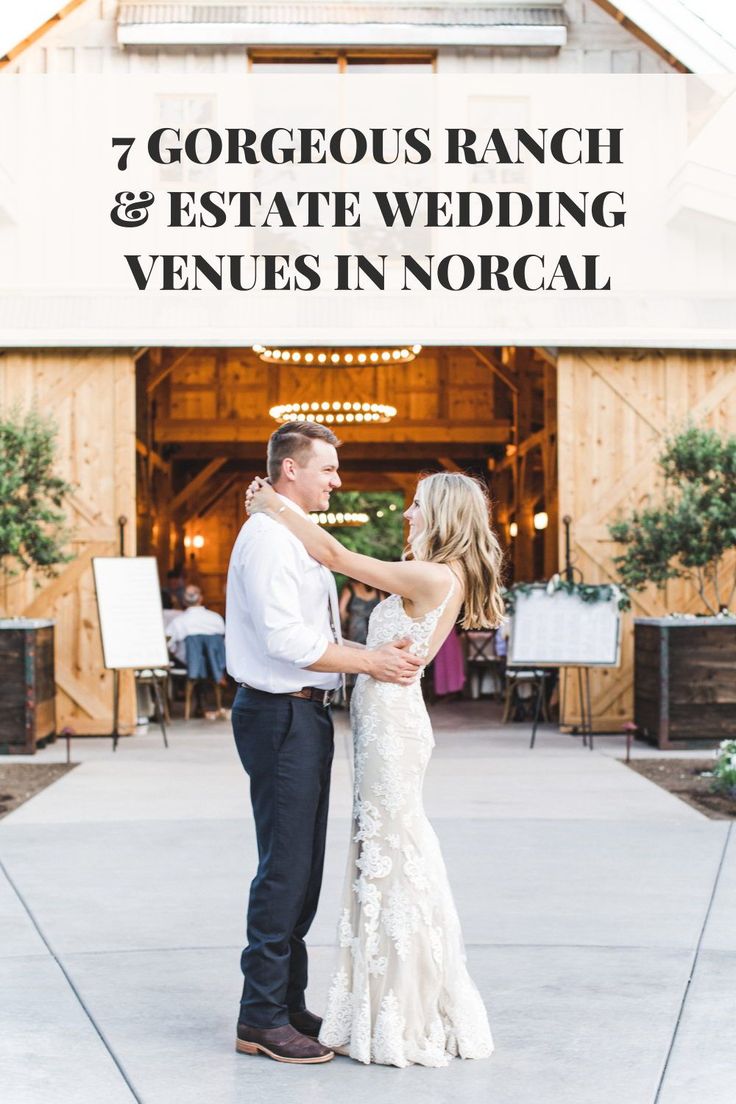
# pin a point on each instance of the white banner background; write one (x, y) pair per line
(64, 279)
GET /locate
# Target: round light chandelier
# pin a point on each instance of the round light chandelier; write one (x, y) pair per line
(337, 357)
(335, 406)
(339, 518)
(336, 412)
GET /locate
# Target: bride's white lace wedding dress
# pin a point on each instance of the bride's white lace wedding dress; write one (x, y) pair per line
(401, 993)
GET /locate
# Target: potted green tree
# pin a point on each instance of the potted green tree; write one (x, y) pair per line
(32, 537)
(685, 664)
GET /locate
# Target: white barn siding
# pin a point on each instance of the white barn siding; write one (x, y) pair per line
(596, 43)
(85, 42)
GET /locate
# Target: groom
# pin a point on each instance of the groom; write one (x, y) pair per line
(285, 650)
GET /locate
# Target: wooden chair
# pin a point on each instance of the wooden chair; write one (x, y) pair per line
(189, 687)
(176, 673)
(156, 679)
(205, 667)
(481, 660)
(518, 677)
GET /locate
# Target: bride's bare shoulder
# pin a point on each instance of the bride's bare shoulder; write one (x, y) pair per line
(435, 578)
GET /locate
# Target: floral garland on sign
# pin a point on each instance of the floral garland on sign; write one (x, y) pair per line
(587, 592)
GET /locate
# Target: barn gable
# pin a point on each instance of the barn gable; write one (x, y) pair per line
(586, 36)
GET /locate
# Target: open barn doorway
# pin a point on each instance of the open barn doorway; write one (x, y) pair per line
(205, 415)
(203, 420)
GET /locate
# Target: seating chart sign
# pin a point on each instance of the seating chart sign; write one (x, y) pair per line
(561, 630)
(131, 617)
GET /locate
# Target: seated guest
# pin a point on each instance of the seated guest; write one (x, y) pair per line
(196, 620)
(175, 586)
(170, 607)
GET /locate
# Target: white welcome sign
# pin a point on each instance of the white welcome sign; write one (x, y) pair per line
(557, 629)
(131, 616)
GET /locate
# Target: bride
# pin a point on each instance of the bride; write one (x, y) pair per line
(401, 992)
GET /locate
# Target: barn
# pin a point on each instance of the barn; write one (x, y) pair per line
(166, 437)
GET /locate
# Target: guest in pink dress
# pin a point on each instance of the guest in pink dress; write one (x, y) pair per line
(449, 667)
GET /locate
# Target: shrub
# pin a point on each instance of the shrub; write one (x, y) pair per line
(32, 518)
(688, 534)
(724, 772)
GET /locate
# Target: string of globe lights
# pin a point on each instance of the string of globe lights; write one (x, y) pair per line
(340, 518)
(333, 412)
(332, 358)
(343, 411)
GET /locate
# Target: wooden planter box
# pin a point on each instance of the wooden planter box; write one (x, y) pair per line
(27, 689)
(685, 680)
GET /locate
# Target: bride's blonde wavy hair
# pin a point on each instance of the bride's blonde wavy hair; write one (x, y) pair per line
(457, 528)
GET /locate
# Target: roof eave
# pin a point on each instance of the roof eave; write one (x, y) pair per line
(337, 34)
(686, 41)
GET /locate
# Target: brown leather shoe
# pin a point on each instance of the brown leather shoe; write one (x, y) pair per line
(283, 1044)
(306, 1022)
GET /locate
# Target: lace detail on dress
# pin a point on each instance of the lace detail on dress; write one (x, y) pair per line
(390, 620)
(401, 993)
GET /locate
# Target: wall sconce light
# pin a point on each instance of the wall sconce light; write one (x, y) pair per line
(198, 541)
(513, 530)
(541, 520)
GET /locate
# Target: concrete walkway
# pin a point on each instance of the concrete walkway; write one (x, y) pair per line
(588, 898)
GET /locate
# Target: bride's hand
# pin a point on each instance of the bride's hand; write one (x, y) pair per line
(260, 496)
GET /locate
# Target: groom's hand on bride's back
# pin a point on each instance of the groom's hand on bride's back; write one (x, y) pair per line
(394, 663)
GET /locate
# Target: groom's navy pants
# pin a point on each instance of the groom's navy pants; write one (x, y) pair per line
(286, 746)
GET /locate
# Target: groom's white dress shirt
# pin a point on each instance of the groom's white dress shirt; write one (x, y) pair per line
(279, 602)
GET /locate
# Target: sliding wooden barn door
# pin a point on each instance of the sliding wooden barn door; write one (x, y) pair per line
(615, 409)
(90, 394)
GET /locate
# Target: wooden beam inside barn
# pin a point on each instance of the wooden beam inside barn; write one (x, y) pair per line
(217, 432)
(198, 482)
(170, 362)
(369, 453)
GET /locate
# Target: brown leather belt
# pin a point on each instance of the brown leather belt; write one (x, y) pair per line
(309, 693)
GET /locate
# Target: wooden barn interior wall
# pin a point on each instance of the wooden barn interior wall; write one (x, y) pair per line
(615, 408)
(91, 396)
(203, 424)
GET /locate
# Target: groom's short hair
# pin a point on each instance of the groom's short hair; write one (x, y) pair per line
(294, 440)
